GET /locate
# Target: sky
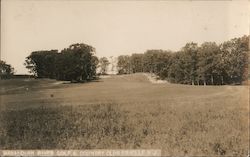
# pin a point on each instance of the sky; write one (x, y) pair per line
(116, 27)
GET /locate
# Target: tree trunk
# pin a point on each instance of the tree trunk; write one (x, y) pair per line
(222, 80)
(205, 83)
(212, 79)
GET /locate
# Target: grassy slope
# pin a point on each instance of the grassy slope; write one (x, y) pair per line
(126, 112)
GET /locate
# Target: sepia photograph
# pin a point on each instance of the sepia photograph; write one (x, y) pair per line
(124, 78)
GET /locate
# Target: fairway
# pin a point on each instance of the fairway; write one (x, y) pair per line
(124, 111)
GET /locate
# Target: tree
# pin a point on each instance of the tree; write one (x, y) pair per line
(235, 56)
(176, 72)
(123, 64)
(94, 64)
(189, 52)
(103, 62)
(162, 62)
(42, 63)
(136, 61)
(113, 63)
(208, 61)
(6, 70)
(75, 63)
(149, 60)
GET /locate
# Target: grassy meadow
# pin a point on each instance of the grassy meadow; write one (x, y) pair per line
(125, 111)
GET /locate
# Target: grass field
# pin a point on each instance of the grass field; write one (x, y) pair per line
(124, 111)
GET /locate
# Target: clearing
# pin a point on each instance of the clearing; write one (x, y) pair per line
(125, 111)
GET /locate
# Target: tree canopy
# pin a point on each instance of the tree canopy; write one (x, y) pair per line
(6, 70)
(207, 64)
(103, 63)
(75, 63)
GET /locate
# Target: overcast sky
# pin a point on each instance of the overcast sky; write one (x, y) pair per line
(115, 27)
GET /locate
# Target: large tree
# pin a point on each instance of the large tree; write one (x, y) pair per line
(149, 60)
(208, 61)
(77, 62)
(190, 60)
(42, 63)
(124, 64)
(235, 58)
(176, 72)
(136, 61)
(162, 62)
(6, 70)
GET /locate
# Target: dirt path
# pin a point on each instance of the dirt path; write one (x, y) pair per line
(153, 79)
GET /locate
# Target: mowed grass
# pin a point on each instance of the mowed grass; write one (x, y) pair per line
(126, 112)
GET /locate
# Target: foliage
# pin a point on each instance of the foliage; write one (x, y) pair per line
(235, 59)
(136, 62)
(42, 63)
(103, 63)
(123, 64)
(76, 63)
(208, 64)
(6, 70)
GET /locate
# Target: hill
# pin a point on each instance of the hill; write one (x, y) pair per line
(124, 111)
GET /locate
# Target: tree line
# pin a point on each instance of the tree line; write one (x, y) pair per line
(75, 63)
(207, 64)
